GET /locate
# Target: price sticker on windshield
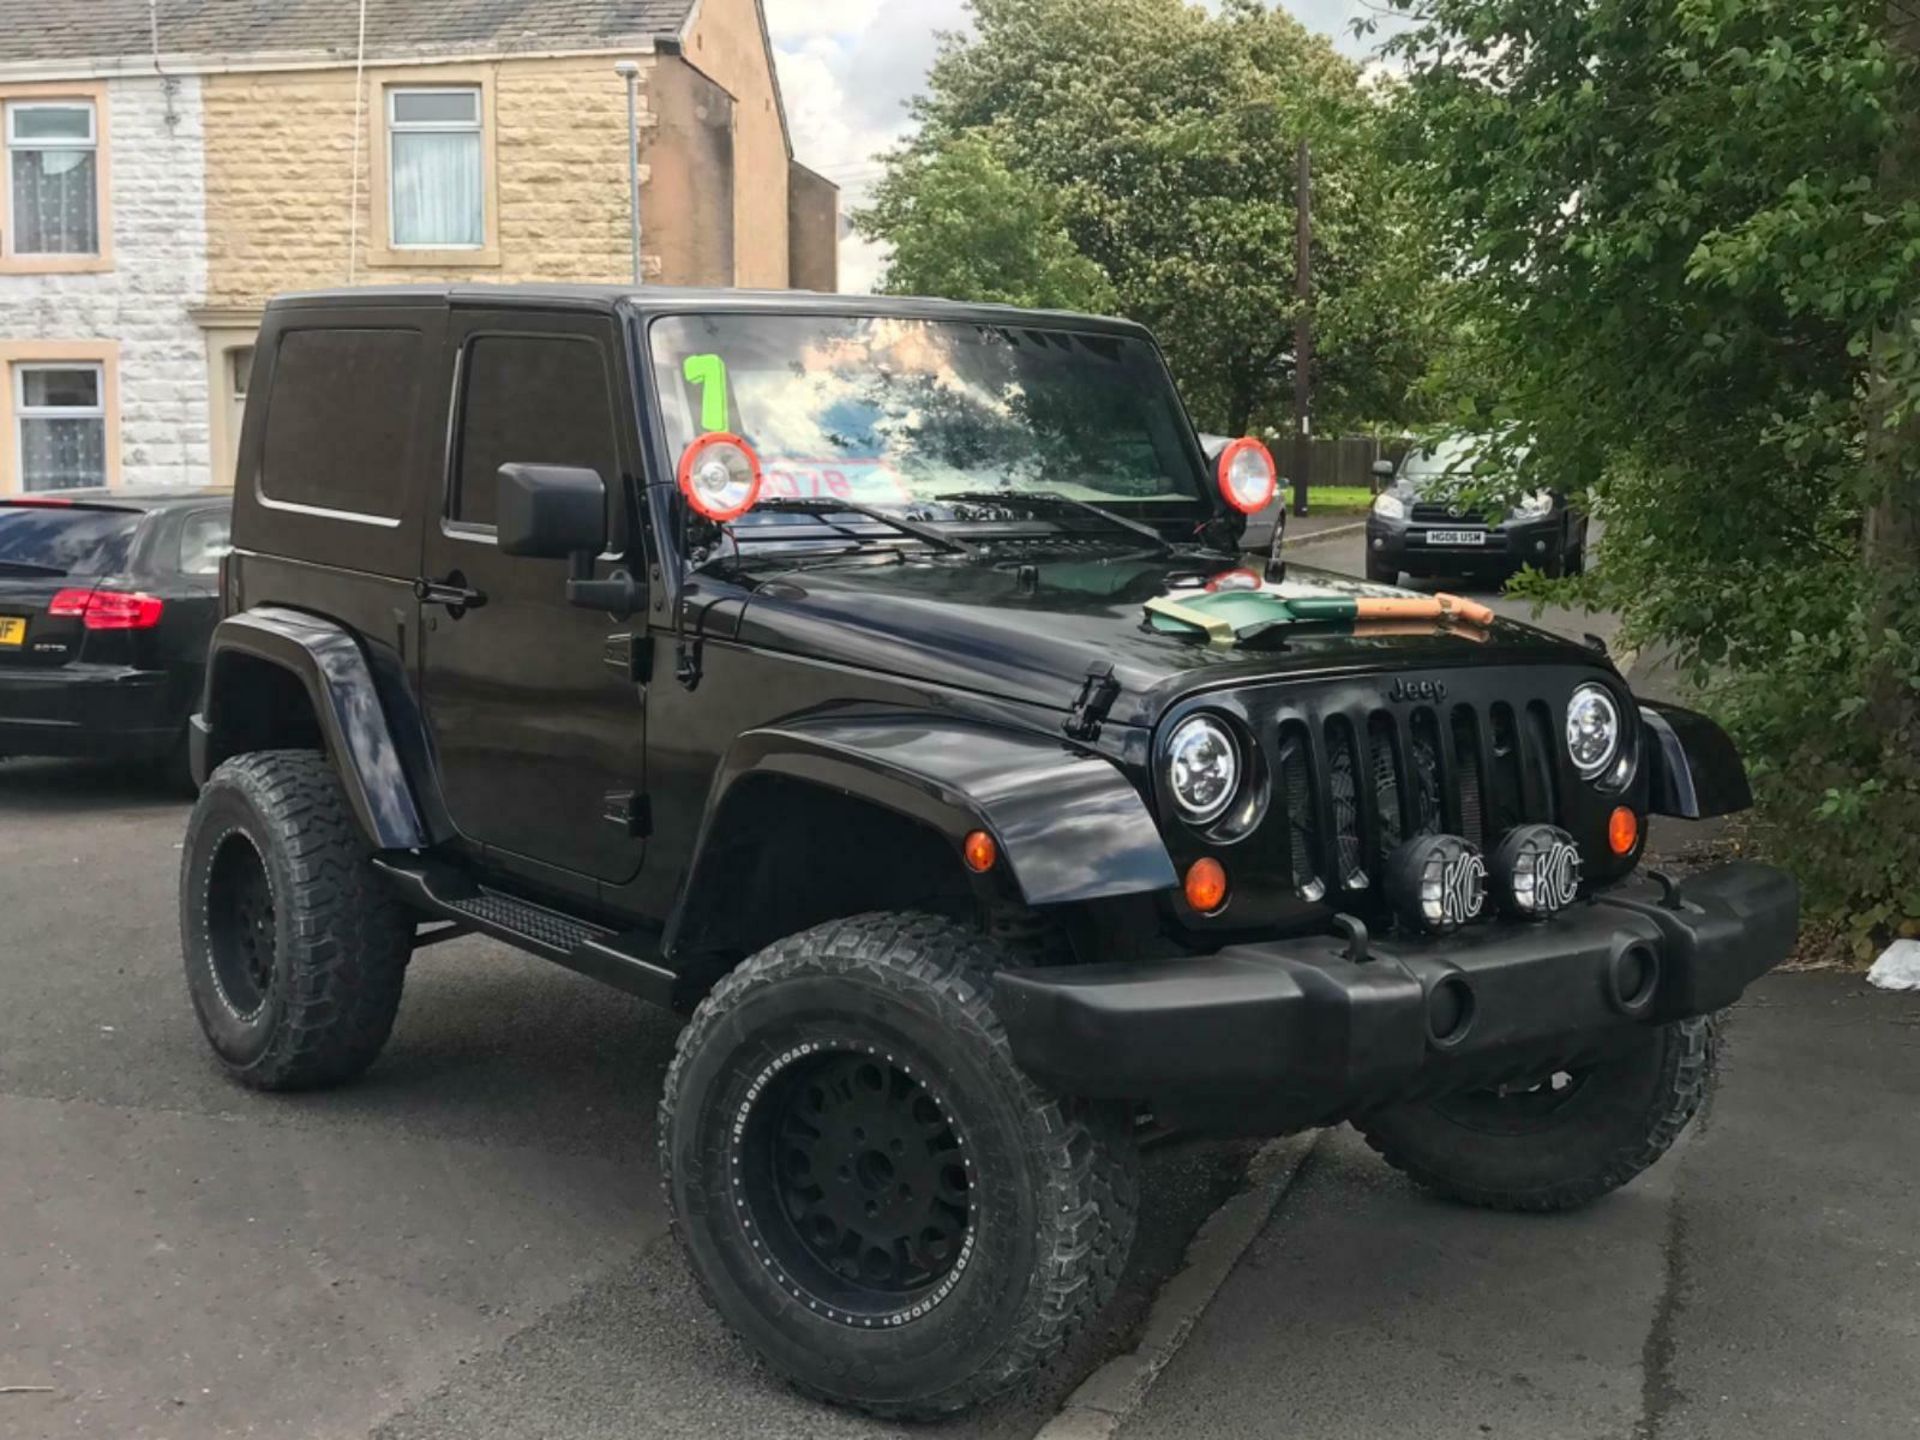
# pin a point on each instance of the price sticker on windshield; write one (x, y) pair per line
(866, 480)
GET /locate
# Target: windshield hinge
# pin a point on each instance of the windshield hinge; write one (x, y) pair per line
(1097, 694)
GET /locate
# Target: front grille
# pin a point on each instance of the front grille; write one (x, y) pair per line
(1356, 784)
(1432, 512)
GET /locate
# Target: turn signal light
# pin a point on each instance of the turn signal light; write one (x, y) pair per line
(108, 609)
(980, 852)
(1206, 885)
(1623, 831)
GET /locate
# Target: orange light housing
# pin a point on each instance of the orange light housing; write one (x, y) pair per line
(1623, 830)
(980, 852)
(1206, 885)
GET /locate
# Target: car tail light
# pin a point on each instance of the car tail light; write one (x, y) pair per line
(108, 609)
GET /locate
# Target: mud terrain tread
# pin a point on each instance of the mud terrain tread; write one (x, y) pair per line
(1690, 1063)
(350, 936)
(1090, 1212)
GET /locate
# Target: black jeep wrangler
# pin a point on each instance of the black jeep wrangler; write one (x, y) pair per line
(878, 683)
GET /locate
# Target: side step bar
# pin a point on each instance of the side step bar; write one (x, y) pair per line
(625, 961)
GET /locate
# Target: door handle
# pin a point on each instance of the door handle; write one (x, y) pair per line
(452, 592)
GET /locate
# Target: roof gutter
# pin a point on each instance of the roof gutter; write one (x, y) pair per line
(143, 66)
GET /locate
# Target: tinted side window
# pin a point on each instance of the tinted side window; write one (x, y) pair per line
(532, 400)
(339, 417)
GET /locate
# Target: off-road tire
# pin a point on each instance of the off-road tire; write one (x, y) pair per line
(340, 940)
(1382, 574)
(1053, 1191)
(1629, 1110)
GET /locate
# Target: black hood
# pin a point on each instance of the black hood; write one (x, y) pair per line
(1028, 632)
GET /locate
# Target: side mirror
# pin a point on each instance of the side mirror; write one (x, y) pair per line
(550, 512)
(1383, 469)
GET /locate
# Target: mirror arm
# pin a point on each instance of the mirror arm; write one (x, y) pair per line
(617, 595)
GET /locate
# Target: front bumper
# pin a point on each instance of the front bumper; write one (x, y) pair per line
(1264, 1038)
(1408, 545)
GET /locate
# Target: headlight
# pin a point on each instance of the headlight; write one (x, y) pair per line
(1534, 506)
(1389, 506)
(1203, 768)
(1593, 730)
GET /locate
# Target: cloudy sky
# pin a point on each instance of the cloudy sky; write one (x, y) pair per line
(848, 67)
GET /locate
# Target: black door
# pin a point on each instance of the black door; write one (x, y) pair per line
(537, 726)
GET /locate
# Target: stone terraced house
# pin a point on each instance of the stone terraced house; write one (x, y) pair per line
(171, 164)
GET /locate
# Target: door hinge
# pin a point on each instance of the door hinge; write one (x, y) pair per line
(630, 656)
(1097, 694)
(630, 810)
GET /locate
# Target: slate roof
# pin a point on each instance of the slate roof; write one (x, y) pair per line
(52, 30)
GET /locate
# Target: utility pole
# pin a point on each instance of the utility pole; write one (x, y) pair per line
(1302, 328)
(629, 71)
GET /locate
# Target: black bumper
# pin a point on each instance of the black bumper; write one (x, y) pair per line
(1258, 1039)
(1408, 545)
(89, 711)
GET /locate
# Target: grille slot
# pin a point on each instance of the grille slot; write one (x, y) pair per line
(1296, 790)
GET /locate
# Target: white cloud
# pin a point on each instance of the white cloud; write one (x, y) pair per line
(849, 67)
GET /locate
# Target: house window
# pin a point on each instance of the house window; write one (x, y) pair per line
(53, 177)
(60, 420)
(436, 168)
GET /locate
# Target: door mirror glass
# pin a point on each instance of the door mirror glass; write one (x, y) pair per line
(550, 512)
(1383, 469)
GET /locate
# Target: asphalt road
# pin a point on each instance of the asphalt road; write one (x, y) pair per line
(1762, 1282)
(469, 1242)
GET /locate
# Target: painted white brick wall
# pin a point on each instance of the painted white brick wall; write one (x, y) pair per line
(159, 273)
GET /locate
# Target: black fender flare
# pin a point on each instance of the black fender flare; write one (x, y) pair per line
(1695, 771)
(330, 664)
(1069, 825)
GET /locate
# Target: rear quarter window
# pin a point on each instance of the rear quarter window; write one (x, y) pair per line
(205, 538)
(340, 413)
(50, 540)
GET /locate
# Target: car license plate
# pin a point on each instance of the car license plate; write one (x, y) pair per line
(1456, 537)
(13, 630)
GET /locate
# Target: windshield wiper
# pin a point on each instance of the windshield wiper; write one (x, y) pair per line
(1049, 497)
(822, 508)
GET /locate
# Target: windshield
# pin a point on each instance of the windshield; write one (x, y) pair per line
(888, 412)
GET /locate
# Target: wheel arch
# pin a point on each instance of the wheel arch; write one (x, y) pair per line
(283, 679)
(904, 791)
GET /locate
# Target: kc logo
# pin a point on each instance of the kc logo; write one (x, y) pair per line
(1558, 880)
(1463, 888)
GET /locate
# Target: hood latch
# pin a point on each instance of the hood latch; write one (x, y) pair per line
(1097, 694)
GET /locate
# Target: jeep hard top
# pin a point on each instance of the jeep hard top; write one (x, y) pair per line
(879, 683)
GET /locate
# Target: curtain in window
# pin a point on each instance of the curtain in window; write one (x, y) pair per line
(436, 189)
(55, 203)
(63, 454)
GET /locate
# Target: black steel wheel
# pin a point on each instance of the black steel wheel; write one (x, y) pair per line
(295, 950)
(851, 1173)
(1560, 1139)
(869, 1189)
(240, 924)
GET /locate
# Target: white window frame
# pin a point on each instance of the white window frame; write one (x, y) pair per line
(476, 127)
(23, 412)
(91, 144)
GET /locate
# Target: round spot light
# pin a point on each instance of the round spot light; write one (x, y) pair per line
(1536, 871)
(1436, 883)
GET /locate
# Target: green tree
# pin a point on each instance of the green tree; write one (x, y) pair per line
(1688, 240)
(1157, 141)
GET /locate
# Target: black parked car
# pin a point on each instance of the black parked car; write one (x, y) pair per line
(1415, 528)
(107, 599)
(878, 683)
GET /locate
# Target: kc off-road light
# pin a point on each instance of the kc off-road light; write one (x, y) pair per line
(1202, 768)
(1593, 730)
(1248, 477)
(1536, 871)
(720, 476)
(1436, 883)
